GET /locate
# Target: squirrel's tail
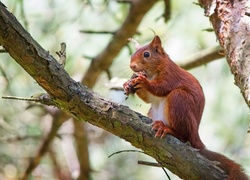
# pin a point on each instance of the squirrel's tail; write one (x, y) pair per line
(234, 170)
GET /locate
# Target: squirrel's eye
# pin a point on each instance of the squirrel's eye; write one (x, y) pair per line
(146, 54)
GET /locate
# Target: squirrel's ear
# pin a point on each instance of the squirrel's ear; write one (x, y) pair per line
(156, 44)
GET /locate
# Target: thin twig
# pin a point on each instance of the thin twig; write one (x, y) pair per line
(21, 98)
(96, 32)
(43, 98)
(208, 30)
(166, 173)
(123, 1)
(146, 163)
(118, 152)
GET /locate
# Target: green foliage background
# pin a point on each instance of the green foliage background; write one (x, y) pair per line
(24, 125)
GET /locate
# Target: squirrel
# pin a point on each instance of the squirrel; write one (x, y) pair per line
(177, 100)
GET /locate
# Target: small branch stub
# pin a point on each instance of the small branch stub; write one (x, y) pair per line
(137, 45)
(62, 54)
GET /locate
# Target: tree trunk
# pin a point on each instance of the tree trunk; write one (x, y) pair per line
(230, 20)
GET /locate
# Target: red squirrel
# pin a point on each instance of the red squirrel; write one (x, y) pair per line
(177, 100)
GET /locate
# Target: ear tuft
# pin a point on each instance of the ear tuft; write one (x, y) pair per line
(156, 41)
(156, 44)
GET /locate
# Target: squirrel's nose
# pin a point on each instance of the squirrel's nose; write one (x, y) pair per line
(133, 66)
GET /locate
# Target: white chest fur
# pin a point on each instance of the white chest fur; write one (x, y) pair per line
(158, 111)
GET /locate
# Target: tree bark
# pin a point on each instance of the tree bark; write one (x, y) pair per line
(84, 104)
(230, 20)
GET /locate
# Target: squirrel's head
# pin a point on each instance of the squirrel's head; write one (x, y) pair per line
(149, 58)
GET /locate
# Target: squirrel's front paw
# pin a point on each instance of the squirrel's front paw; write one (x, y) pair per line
(138, 82)
(130, 86)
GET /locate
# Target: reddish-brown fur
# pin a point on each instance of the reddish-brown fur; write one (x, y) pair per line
(177, 97)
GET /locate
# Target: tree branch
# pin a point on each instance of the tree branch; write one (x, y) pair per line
(103, 61)
(34, 162)
(86, 105)
(80, 135)
(202, 57)
(96, 32)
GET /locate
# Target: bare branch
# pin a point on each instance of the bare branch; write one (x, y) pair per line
(82, 149)
(202, 57)
(123, 151)
(124, 1)
(57, 168)
(146, 163)
(137, 45)
(43, 98)
(167, 12)
(56, 124)
(96, 32)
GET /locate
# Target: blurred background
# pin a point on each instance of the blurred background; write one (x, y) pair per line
(42, 143)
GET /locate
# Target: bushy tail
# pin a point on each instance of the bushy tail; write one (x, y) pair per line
(234, 170)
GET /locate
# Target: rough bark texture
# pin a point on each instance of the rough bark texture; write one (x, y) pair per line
(84, 104)
(230, 20)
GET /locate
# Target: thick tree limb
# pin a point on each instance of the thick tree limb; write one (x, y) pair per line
(84, 104)
(231, 25)
(104, 60)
